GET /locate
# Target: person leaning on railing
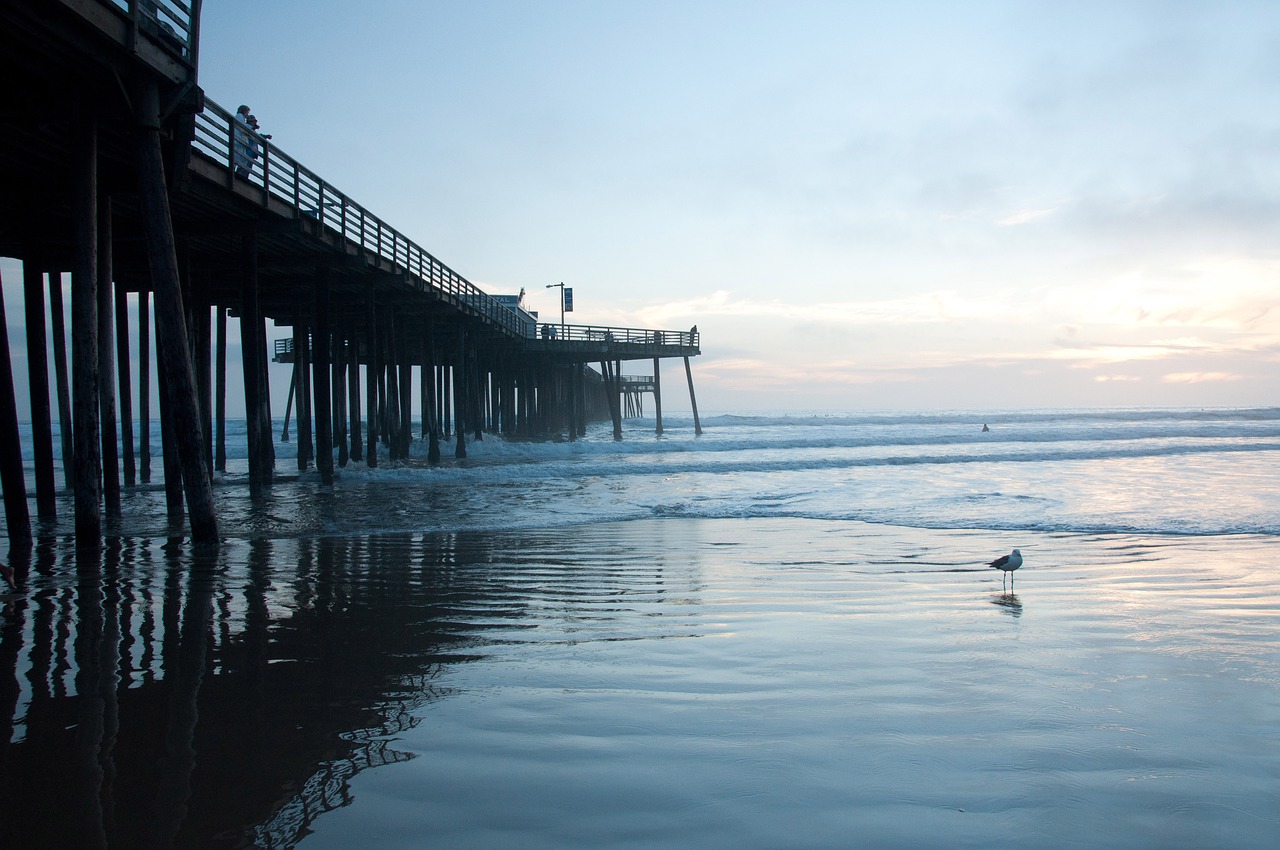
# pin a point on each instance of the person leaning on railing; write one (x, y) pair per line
(246, 144)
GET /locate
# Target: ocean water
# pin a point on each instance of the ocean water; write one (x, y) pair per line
(1203, 471)
(781, 633)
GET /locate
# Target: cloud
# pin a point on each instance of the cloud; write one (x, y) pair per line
(1200, 377)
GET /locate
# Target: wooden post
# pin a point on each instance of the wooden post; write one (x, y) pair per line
(203, 346)
(58, 320)
(460, 406)
(172, 466)
(371, 380)
(393, 420)
(123, 373)
(430, 411)
(697, 424)
(106, 355)
(259, 476)
(220, 392)
(171, 328)
(301, 356)
(288, 400)
(144, 385)
(84, 338)
(657, 392)
(406, 389)
(353, 389)
(322, 381)
(264, 412)
(38, 382)
(446, 396)
(12, 479)
(340, 364)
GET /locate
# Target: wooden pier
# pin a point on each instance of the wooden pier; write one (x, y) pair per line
(120, 172)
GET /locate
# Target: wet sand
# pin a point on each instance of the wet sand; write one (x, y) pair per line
(676, 682)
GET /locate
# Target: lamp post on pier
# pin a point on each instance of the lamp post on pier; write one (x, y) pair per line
(566, 302)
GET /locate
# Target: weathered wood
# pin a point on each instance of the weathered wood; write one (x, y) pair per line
(340, 361)
(250, 318)
(657, 392)
(406, 391)
(430, 409)
(12, 479)
(170, 325)
(693, 400)
(288, 400)
(124, 386)
(393, 420)
(322, 381)
(446, 395)
(84, 338)
(460, 408)
(106, 363)
(58, 322)
(264, 409)
(144, 386)
(202, 345)
(371, 380)
(220, 391)
(38, 384)
(171, 465)
(302, 356)
(353, 389)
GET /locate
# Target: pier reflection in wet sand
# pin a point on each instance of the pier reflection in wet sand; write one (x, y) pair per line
(152, 696)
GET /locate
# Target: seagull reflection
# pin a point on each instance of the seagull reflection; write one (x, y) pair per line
(1009, 603)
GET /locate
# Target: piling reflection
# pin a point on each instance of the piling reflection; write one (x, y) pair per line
(152, 695)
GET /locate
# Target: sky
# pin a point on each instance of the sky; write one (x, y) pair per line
(861, 205)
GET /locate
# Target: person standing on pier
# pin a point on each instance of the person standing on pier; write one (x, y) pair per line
(245, 147)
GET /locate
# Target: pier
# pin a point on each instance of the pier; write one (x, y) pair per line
(119, 171)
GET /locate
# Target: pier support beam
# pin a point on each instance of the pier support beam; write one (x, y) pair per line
(144, 385)
(693, 400)
(123, 373)
(250, 319)
(657, 392)
(170, 323)
(353, 389)
(84, 338)
(220, 392)
(322, 381)
(17, 514)
(58, 321)
(106, 364)
(371, 380)
(38, 382)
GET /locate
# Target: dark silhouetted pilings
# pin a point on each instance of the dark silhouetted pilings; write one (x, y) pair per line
(106, 362)
(170, 322)
(125, 393)
(38, 383)
(84, 333)
(12, 478)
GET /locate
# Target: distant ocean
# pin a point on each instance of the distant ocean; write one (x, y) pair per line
(1161, 471)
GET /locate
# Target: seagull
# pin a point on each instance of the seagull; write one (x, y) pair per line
(1007, 563)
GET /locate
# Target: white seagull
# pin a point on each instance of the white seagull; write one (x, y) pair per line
(1007, 564)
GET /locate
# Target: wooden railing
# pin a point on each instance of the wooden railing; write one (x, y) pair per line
(171, 23)
(276, 175)
(637, 336)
